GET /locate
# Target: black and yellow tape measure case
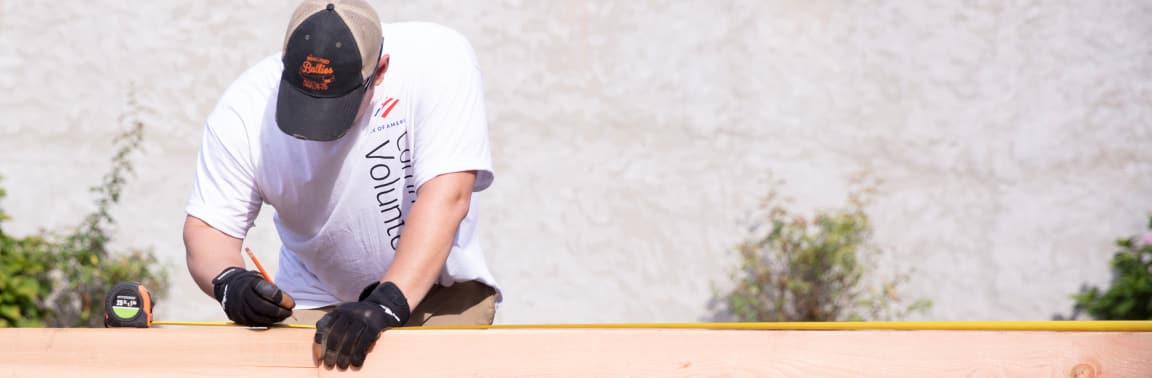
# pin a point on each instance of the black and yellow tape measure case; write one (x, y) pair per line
(128, 304)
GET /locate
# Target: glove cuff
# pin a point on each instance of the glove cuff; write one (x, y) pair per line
(219, 283)
(388, 295)
(367, 291)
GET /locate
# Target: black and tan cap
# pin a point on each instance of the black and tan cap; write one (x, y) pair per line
(330, 51)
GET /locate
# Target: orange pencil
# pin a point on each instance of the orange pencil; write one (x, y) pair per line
(258, 266)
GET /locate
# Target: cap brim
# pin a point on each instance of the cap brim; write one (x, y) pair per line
(315, 118)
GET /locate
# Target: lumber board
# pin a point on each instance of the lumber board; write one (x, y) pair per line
(133, 352)
(283, 352)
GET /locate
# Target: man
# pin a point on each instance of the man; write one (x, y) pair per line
(368, 140)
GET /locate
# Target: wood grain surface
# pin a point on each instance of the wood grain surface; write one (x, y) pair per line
(233, 351)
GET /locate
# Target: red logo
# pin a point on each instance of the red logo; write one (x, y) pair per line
(317, 73)
(387, 106)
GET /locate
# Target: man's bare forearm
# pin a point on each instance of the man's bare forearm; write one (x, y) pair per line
(209, 251)
(428, 234)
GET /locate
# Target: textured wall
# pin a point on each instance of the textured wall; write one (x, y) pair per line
(631, 137)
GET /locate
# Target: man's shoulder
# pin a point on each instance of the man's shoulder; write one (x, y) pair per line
(422, 31)
(256, 82)
(244, 102)
(428, 39)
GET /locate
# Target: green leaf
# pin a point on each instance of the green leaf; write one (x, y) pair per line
(28, 323)
(10, 311)
(28, 288)
(920, 305)
(1124, 243)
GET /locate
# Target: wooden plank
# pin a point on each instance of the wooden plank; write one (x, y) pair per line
(131, 352)
(762, 353)
(235, 351)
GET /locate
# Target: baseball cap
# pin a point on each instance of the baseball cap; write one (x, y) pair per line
(330, 53)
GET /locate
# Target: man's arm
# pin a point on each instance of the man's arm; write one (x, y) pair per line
(344, 336)
(216, 266)
(209, 251)
(442, 202)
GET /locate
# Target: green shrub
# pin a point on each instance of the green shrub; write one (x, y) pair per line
(1130, 295)
(59, 279)
(23, 278)
(797, 269)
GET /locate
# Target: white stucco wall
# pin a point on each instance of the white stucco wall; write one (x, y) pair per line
(631, 137)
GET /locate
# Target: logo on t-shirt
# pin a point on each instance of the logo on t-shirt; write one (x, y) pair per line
(386, 107)
(382, 113)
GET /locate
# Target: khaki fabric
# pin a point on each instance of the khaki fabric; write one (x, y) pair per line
(464, 303)
(360, 18)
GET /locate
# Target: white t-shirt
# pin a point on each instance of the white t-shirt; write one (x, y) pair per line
(340, 206)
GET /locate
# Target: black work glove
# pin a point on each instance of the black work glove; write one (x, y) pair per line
(345, 335)
(250, 300)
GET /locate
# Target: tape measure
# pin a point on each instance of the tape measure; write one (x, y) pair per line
(128, 304)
